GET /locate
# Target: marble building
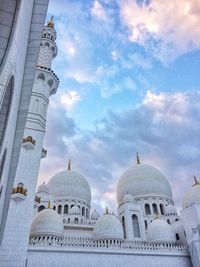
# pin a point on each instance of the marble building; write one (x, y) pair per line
(54, 225)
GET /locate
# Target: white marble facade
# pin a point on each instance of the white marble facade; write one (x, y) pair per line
(54, 225)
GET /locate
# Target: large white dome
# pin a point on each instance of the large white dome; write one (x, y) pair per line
(47, 222)
(43, 188)
(70, 184)
(160, 231)
(108, 226)
(143, 180)
(192, 196)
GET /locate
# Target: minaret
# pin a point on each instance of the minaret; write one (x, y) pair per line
(16, 235)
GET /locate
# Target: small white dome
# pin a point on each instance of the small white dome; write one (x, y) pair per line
(95, 215)
(192, 196)
(43, 188)
(143, 180)
(128, 198)
(47, 222)
(70, 184)
(160, 231)
(170, 210)
(108, 226)
(75, 210)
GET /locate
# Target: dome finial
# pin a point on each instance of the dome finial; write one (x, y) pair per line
(196, 182)
(107, 212)
(49, 205)
(137, 157)
(51, 23)
(69, 165)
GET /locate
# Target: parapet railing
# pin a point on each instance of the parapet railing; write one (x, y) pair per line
(122, 245)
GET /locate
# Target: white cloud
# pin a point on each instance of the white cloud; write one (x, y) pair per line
(98, 10)
(164, 128)
(168, 30)
(70, 98)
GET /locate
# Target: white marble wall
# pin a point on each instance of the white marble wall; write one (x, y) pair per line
(106, 258)
(21, 64)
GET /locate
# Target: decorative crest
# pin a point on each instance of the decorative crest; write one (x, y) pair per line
(51, 23)
(69, 165)
(49, 205)
(157, 216)
(196, 182)
(137, 157)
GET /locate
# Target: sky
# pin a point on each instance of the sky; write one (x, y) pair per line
(129, 82)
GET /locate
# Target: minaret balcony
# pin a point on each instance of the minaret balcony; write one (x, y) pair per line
(37, 201)
(19, 192)
(44, 153)
(28, 143)
(53, 77)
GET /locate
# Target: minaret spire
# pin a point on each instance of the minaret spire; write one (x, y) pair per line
(69, 165)
(196, 182)
(51, 23)
(137, 157)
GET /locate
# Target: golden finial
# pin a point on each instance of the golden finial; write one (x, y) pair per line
(106, 210)
(69, 165)
(138, 159)
(49, 205)
(50, 23)
(157, 216)
(196, 182)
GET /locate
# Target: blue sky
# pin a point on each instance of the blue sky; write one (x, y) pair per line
(130, 80)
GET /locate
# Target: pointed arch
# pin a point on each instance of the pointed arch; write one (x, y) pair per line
(155, 208)
(136, 227)
(66, 209)
(124, 226)
(41, 76)
(162, 209)
(147, 209)
(59, 209)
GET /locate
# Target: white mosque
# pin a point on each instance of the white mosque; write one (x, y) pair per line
(54, 226)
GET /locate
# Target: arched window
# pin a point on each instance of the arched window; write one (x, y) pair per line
(59, 209)
(83, 211)
(168, 221)
(5, 108)
(66, 209)
(162, 211)
(145, 223)
(36, 106)
(147, 209)
(177, 237)
(155, 208)
(76, 220)
(68, 220)
(124, 227)
(40, 208)
(54, 207)
(136, 227)
(72, 206)
(87, 213)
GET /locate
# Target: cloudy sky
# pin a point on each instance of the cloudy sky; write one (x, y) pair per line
(129, 81)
